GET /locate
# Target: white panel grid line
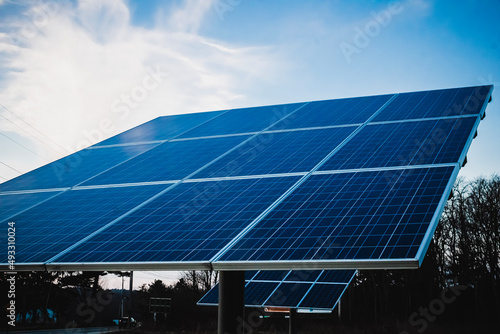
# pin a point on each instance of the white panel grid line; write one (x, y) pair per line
(412, 120)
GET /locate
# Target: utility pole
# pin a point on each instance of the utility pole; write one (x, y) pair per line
(121, 304)
(131, 288)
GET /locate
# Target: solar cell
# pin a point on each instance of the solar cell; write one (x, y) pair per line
(305, 275)
(14, 203)
(336, 276)
(249, 274)
(436, 103)
(256, 293)
(362, 215)
(190, 222)
(323, 296)
(169, 161)
(404, 144)
(49, 228)
(161, 128)
(333, 112)
(288, 294)
(271, 275)
(278, 152)
(243, 120)
(74, 169)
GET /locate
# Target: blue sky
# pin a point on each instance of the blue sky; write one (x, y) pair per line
(67, 67)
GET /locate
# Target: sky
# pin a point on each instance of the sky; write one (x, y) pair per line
(73, 73)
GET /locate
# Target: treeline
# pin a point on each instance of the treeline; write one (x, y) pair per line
(183, 314)
(59, 300)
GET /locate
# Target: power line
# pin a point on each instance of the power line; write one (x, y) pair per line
(18, 143)
(152, 273)
(35, 129)
(30, 134)
(3, 163)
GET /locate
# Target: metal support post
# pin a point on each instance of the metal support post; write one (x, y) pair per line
(231, 302)
(292, 321)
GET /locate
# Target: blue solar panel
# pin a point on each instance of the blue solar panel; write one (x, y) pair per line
(49, 228)
(161, 128)
(391, 163)
(278, 152)
(242, 121)
(436, 103)
(363, 215)
(14, 203)
(191, 222)
(333, 112)
(404, 144)
(74, 169)
(168, 161)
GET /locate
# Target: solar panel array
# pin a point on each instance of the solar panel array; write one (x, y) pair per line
(304, 290)
(345, 183)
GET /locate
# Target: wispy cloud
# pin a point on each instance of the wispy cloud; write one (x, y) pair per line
(69, 68)
(189, 17)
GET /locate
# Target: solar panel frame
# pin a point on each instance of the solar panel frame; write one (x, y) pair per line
(197, 222)
(352, 263)
(257, 155)
(73, 170)
(388, 263)
(211, 128)
(17, 208)
(35, 236)
(335, 115)
(441, 144)
(171, 160)
(452, 108)
(116, 140)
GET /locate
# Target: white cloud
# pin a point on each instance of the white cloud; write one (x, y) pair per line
(189, 17)
(70, 73)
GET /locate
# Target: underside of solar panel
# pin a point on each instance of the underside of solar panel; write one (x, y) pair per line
(305, 290)
(348, 183)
